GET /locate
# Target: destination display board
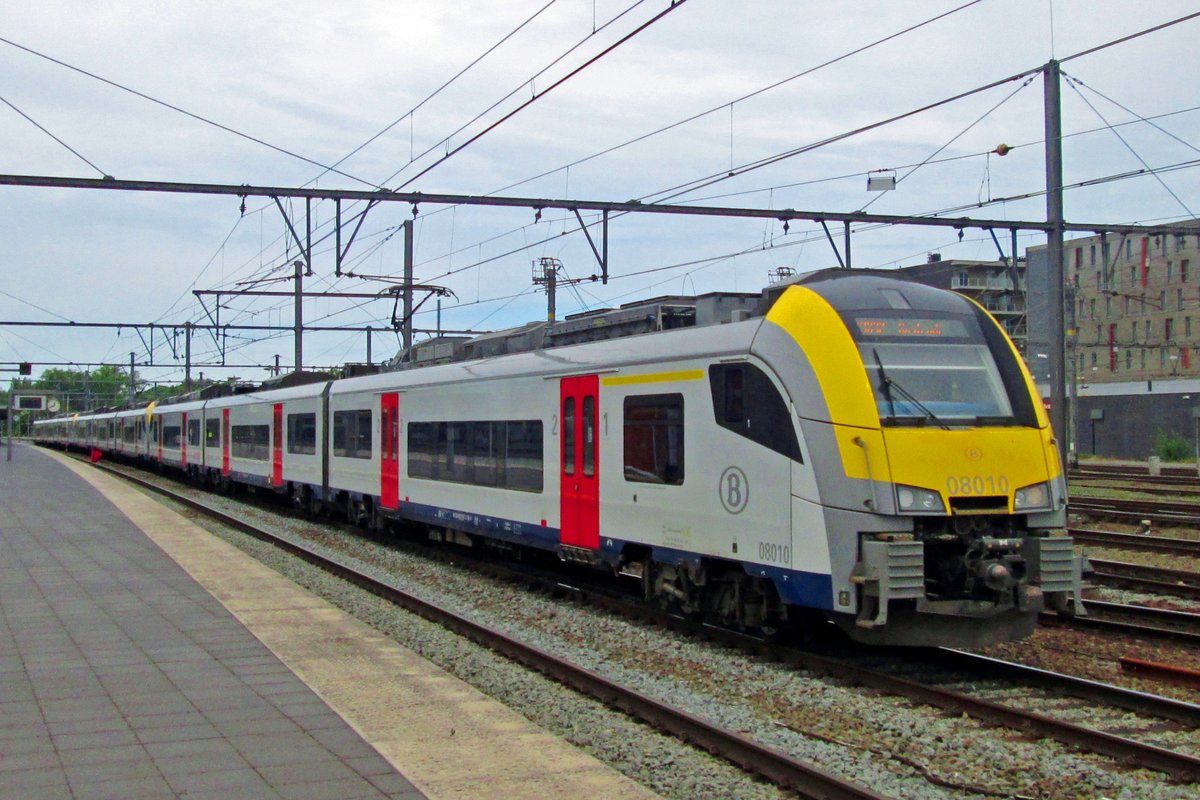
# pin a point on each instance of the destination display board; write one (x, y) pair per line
(915, 327)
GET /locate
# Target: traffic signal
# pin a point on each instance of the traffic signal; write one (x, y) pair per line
(26, 368)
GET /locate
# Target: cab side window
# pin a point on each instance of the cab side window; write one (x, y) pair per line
(746, 402)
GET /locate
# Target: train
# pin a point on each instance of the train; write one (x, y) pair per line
(849, 448)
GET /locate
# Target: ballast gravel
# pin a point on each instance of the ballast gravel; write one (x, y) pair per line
(886, 743)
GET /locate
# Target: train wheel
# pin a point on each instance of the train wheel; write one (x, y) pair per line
(316, 507)
(355, 512)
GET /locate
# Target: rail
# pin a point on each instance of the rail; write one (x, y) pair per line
(771, 764)
(777, 767)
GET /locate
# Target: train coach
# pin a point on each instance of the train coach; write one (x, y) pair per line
(865, 450)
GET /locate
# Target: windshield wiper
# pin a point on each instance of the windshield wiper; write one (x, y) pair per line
(887, 385)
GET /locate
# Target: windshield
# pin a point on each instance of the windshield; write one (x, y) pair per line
(939, 382)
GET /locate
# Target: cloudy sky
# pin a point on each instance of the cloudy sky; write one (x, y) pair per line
(314, 81)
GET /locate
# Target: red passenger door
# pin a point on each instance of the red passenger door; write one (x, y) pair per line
(580, 473)
(277, 446)
(225, 441)
(389, 447)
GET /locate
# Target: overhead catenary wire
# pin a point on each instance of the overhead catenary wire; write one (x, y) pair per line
(805, 72)
(686, 188)
(409, 114)
(122, 87)
(44, 130)
(910, 171)
(675, 5)
(1138, 117)
(34, 305)
(809, 71)
(1073, 84)
(528, 82)
(927, 162)
(730, 103)
(718, 177)
(818, 235)
(1144, 172)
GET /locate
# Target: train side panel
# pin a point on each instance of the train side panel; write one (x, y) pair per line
(684, 485)
(482, 458)
(250, 422)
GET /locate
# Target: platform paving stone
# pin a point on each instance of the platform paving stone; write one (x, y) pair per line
(120, 676)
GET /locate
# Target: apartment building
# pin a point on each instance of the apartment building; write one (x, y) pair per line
(998, 286)
(1134, 304)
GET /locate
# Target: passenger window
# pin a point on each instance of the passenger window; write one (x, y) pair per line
(504, 454)
(589, 436)
(301, 433)
(352, 433)
(653, 439)
(568, 427)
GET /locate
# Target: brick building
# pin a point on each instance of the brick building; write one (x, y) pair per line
(1134, 302)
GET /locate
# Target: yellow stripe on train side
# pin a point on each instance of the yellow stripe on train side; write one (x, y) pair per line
(654, 377)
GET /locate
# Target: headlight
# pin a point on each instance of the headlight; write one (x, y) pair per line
(913, 499)
(1032, 498)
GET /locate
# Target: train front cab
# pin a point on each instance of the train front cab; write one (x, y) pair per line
(942, 494)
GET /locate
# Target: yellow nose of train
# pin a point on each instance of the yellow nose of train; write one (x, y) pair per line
(902, 387)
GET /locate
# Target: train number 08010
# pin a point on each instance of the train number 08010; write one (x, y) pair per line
(977, 485)
(774, 553)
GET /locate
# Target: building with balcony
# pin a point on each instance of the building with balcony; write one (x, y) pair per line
(998, 286)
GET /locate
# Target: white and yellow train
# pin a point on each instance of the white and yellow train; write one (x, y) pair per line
(865, 450)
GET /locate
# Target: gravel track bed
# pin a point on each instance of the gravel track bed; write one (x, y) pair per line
(1096, 655)
(1113, 595)
(887, 743)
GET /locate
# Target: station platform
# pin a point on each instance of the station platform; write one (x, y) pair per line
(142, 657)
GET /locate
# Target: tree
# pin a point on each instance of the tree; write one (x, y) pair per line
(82, 390)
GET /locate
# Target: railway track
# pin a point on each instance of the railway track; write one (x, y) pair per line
(1139, 578)
(771, 764)
(1181, 626)
(1188, 473)
(1157, 511)
(1136, 541)
(1191, 490)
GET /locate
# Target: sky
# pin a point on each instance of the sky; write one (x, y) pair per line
(272, 90)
